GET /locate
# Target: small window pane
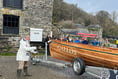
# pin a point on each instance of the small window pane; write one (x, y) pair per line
(13, 3)
(5, 23)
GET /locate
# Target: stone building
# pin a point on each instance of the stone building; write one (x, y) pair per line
(79, 28)
(18, 16)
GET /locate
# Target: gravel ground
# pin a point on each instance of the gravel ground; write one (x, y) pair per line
(8, 67)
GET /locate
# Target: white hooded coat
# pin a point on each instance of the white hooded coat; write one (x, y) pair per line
(23, 53)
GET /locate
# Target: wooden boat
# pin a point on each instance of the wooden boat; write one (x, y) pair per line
(81, 55)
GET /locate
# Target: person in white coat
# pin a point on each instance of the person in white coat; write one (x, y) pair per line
(23, 56)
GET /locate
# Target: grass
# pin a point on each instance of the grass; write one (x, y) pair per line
(7, 54)
(37, 54)
(14, 54)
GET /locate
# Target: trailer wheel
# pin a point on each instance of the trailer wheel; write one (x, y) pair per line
(78, 66)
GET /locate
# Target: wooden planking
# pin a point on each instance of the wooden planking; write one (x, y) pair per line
(89, 47)
(93, 58)
(63, 56)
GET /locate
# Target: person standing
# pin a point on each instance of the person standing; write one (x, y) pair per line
(106, 43)
(117, 43)
(47, 40)
(85, 41)
(95, 42)
(23, 56)
(77, 40)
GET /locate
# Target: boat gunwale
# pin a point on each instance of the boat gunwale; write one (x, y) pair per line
(87, 48)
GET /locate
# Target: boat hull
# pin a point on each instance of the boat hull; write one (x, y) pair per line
(92, 55)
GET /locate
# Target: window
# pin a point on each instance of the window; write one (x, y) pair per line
(10, 24)
(18, 4)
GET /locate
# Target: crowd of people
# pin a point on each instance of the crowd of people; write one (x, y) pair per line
(95, 42)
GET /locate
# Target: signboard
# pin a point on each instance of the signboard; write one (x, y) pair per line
(36, 35)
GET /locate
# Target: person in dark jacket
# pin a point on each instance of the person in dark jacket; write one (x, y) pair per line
(85, 41)
(47, 40)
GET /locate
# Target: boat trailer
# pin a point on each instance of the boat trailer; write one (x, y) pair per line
(94, 71)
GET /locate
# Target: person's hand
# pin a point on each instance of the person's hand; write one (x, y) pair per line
(33, 51)
(34, 48)
(49, 41)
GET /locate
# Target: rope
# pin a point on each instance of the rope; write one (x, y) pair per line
(86, 49)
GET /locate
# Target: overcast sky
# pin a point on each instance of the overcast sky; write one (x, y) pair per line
(93, 6)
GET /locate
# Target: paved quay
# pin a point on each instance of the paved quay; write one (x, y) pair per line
(8, 67)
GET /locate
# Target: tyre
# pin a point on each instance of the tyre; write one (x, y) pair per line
(78, 66)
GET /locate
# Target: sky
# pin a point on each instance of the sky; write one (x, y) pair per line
(93, 6)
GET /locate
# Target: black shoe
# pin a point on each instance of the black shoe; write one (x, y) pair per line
(26, 72)
(19, 71)
(0, 75)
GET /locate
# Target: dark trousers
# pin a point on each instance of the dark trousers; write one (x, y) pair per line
(48, 50)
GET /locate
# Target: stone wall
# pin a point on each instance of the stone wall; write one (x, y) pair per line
(98, 33)
(1, 19)
(35, 14)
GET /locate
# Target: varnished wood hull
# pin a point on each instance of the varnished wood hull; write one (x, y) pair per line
(92, 55)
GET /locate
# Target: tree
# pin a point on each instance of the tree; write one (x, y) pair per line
(102, 15)
(114, 16)
(68, 14)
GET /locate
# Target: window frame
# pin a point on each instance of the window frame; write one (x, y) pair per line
(11, 23)
(14, 4)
